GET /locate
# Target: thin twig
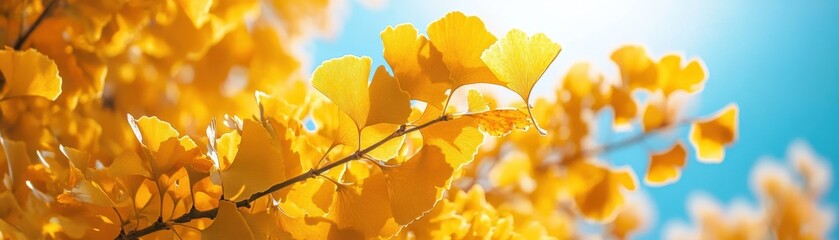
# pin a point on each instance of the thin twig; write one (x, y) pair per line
(197, 214)
(22, 39)
(626, 142)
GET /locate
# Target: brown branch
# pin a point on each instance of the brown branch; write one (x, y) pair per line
(22, 38)
(626, 142)
(198, 214)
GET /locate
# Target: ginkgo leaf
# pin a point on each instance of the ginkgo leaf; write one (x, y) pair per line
(417, 184)
(476, 102)
(87, 191)
(344, 81)
(351, 209)
(17, 161)
(637, 69)
(196, 10)
(258, 163)
(416, 63)
(458, 138)
(461, 39)
(129, 163)
(666, 167)
(500, 122)
(653, 117)
(519, 61)
(710, 137)
(28, 73)
(265, 225)
(376, 133)
(624, 106)
(167, 152)
(511, 170)
(598, 190)
(388, 103)
(309, 198)
(228, 224)
(673, 77)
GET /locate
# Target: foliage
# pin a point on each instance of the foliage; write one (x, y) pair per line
(224, 147)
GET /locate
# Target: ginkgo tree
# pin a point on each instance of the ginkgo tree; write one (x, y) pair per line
(191, 118)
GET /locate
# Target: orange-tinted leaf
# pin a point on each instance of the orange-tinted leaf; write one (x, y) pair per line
(710, 137)
(500, 122)
(665, 167)
(624, 106)
(636, 67)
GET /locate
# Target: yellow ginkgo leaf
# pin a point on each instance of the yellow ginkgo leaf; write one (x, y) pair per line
(500, 122)
(519, 61)
(388, 103)
(17, 161)
(258, 163)
(462, 39)
(417, 64)
(129, 163)
(512, 170)
(653, 117)
(265, 225)
(28, 73)
(376, 133)
(598, 190)
(624, 106)
(352, 210)
(710, 137)
(86, 191)
(458, 138)
(344, 81)
(309, 198)
(665, 167)
(196, 10)
(228, 224)
(476, 102)
(637, 69)
(672, 77)
(417, 184)
(161, 144)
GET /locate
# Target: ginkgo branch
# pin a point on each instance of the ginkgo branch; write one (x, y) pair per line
(628, 141)
(22, 39)
(198, 214)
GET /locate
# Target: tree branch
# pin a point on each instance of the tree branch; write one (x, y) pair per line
(22, 38)
(626, 142)
(198, 214)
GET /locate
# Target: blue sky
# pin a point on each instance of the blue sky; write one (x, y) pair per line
(777, 61)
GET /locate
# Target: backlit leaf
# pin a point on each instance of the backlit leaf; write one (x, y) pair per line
(710, 137)
(28, 73)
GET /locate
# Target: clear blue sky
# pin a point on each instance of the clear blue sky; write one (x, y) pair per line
(777, 61)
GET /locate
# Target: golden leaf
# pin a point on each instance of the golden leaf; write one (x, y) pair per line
(665, 167)
(417, 64)
(500, 122)
(228, 224)
(28, 73)
(344, 81)
(462, 39)
(258, 163)
(519, 61)
(710, 137)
